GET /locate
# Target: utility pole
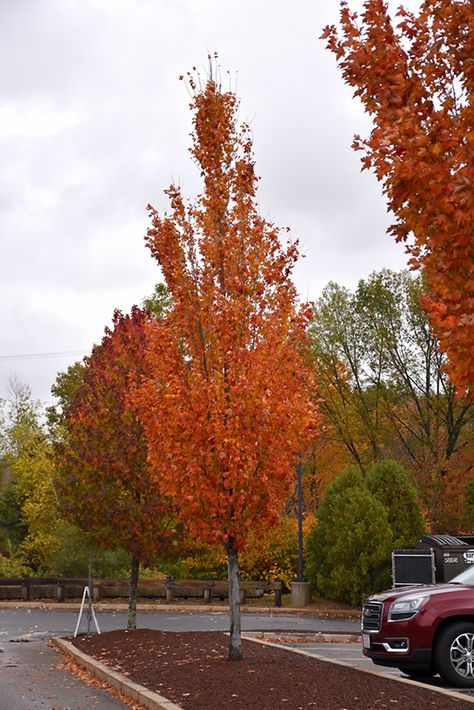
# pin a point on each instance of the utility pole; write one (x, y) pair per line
(299, 472)
(300, 588)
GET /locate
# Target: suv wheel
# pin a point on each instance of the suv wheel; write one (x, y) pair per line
(454, 654)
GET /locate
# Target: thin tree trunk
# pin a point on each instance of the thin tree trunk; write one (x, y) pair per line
(235, 641)
(132, 596)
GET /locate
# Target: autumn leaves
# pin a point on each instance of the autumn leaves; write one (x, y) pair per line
(416, 80)
(232, 407)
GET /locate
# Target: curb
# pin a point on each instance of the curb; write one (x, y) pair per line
(116, 680)
(443, 691)
(274, 637)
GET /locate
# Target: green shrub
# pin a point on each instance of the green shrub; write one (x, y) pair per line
(350, 477)
(469, 501)
(349, 546)
(268, 556)
(11, 567)
(72, 557)
(193, 561)
(360, 520)
(391, 484)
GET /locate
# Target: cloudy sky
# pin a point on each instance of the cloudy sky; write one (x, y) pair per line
(94, 124)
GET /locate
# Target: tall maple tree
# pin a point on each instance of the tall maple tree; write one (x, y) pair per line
(105, 476)
(416, 80)
(227, 409)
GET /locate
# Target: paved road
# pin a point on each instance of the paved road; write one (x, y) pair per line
(17, 622)
(31, 673)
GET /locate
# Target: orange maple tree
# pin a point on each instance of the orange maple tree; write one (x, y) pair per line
(416, 80)
(227, 408)
(105, 476)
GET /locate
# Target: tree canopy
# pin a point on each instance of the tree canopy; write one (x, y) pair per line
(384, 388)
(415, 78)
(105, 476)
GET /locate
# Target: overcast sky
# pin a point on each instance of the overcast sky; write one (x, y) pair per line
(94, 124)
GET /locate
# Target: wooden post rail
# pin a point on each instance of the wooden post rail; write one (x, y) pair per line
(169, 589)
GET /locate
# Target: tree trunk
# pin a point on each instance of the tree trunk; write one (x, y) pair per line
(235, 641)
(132, 596)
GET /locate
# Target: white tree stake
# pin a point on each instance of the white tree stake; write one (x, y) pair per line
(86, 591)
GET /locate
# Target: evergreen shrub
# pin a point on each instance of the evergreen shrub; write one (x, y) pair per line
(360, 520)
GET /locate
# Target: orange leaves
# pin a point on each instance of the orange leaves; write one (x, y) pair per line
(227, 405)
(415, 80)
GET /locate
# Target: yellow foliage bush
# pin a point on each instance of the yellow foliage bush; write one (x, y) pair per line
(268, 556)
(274, 555)
(10, 567)
(36, 495)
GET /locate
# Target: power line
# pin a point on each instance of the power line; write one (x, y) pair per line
(42, 356)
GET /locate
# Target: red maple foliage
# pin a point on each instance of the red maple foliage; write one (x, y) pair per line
(416, 80)
(227, 409)
(106, 480)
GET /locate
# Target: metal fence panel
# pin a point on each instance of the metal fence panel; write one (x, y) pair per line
(413, 566)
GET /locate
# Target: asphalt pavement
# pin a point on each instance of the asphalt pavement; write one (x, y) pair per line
(16, 622)
(33, 675)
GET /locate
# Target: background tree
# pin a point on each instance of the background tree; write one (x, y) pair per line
(274, 555)
(226, 409)
(36, 497)
(384, 388)
(469, 501)
(29, 508)
(106, 480)
(416, 80)
(63, 390)
(159, 302)
(324, 459)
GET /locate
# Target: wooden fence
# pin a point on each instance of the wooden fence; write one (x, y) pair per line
(62, 588)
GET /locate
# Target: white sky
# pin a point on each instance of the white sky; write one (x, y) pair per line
(94, 124)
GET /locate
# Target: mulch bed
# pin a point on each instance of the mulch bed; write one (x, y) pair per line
(192, 670)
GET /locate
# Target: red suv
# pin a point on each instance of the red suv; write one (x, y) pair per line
(424, 630)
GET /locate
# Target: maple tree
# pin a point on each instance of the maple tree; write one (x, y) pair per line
(416, 80)
(105, 479)
(227, 407)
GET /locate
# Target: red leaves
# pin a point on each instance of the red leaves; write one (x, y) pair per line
(108, 484)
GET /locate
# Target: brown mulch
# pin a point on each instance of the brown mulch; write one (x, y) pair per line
(192, 670)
